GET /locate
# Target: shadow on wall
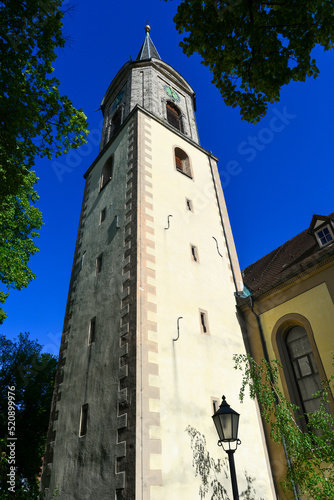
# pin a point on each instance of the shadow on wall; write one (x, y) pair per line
(207, 468)
(112, 230)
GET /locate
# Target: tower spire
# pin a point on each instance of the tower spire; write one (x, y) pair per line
(148, 49)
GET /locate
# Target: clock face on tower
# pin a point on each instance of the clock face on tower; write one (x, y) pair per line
(172, 93)
(117, 100)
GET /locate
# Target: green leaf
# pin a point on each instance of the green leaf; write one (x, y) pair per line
(254, 48)
(311, 453)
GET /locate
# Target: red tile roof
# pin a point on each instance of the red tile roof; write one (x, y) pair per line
(289, 259)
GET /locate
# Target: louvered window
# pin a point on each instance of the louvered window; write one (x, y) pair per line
(178, 162)
(174, 116)
(182, 162)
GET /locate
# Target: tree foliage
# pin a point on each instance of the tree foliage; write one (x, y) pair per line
(19, 222)
(311, 453)
(32, 373)
(254, 47)
(36, 120)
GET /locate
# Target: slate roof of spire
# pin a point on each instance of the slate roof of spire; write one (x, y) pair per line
(148, 49)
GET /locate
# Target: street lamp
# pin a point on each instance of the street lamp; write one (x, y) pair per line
(226, 421)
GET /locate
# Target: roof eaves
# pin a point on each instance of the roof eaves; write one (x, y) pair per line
(311, 263)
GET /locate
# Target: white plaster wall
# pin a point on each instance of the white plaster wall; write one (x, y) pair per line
(196, 367)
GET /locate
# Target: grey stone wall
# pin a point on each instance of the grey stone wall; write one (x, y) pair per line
(142, 83)
(83, 467)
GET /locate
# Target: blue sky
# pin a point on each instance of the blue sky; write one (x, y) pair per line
(275, 174)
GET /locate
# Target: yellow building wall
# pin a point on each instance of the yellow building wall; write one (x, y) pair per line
(311, 297)
(317, 307)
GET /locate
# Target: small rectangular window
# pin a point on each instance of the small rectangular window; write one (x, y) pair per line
(83, 420)
(98, 264)
(107, 172)
(189, 205)
(82, 260)
(119, 495)
(204, 321)
(92, 329)
(102, 215)
(324, 236)
(194, 253)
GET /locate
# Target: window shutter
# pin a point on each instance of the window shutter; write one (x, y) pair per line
(173, 116)
(178, 162)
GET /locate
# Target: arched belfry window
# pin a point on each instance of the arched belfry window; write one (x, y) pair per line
(116, 120)
(182, 162)
(107, 171)
(174, 116)
(304, 368)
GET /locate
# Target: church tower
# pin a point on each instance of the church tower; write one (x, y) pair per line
(150, 325)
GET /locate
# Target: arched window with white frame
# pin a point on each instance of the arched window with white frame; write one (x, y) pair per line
(182, 162)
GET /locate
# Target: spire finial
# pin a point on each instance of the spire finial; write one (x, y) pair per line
(148, 50)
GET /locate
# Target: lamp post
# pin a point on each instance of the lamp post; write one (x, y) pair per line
(226, 421)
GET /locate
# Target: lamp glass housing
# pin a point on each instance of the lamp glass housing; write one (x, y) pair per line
(226, 421)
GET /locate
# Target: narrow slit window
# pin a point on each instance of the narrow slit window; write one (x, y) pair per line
(189, 205)
(204, 322)
(98, 264)
(92, 330)
(194, 253)
(102, 215)
(116, 120)
(82, 260)
(83, 420)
